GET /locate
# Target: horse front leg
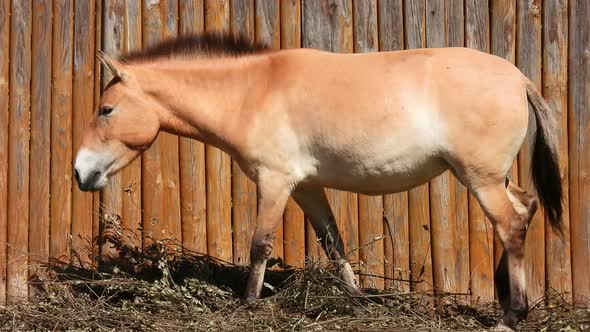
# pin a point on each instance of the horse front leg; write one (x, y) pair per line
(273, 193)
(316, 207)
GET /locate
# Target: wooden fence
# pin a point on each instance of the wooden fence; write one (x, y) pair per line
(50, 83)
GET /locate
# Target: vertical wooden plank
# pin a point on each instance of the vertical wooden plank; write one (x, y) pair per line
(328, 25)
(555, 34)
(503, 43)
(131, 175)
(366, 39)
(435, 23)
(528, 59)
(83, 108)
(477, 25)
(40, 133)
(218, 164)
(503, 34)
(18, 151)
(293, 219)
(244, 202)
(395, 207)
(418, 198)
(4, 136)
(481, 232)
(61, 130)
(454, 23)
(268, 31)
(448, 199)
(193, 192)
(268, 28)
(579, 149)
(160, 164)
(112, 44)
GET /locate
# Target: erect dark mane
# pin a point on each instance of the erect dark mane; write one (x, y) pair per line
(206, 44)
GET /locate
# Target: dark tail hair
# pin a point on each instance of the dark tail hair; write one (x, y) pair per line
(545, 164)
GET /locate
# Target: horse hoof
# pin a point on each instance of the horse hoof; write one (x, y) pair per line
(248, 299)
(502, 327)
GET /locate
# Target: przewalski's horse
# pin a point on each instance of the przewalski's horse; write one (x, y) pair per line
(297, 121)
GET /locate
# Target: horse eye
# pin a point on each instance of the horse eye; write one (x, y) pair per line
(106, 110)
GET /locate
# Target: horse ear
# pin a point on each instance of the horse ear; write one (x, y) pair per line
(115, 67)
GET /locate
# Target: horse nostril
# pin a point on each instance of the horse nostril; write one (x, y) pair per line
(95, 175)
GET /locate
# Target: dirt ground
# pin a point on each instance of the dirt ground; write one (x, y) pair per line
(160, 289)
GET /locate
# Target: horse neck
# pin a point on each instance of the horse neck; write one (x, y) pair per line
(207, 99)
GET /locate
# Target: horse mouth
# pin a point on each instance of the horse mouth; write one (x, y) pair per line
(89, 188)
(91, 184)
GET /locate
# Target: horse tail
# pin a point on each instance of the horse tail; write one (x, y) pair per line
(545, 160)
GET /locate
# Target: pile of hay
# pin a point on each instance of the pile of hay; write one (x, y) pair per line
(158, 289)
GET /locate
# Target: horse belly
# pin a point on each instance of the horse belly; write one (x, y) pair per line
(388, 176)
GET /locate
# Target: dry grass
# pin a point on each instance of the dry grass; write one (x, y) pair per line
(158, 289)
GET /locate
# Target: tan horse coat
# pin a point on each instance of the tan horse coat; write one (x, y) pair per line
(297, 121)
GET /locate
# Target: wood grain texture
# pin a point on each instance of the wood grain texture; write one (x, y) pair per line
(4, 139)
(435, 23)
(328, 25)
(18, 151)
(61, 130)
(396, 244)
(454, 23)
(579, 148)
(397, 241)
(160, 164)
(503, 34)
(366, 39)
(481, 232)
(418, 198)
(555, 38)
(40, 168)
(218, 164)
(503, 44)
(293, 218)
(83, 108)
(131, 183)
(391, 25)
(112, 195)
(193, 191)
(528, 60)
(268, 18)
(244, 201)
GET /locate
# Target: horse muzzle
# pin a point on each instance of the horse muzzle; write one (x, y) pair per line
(90, 170)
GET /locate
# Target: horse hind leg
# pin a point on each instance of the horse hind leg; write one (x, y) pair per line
(314, 203)
(497, 202)
(525, 205)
